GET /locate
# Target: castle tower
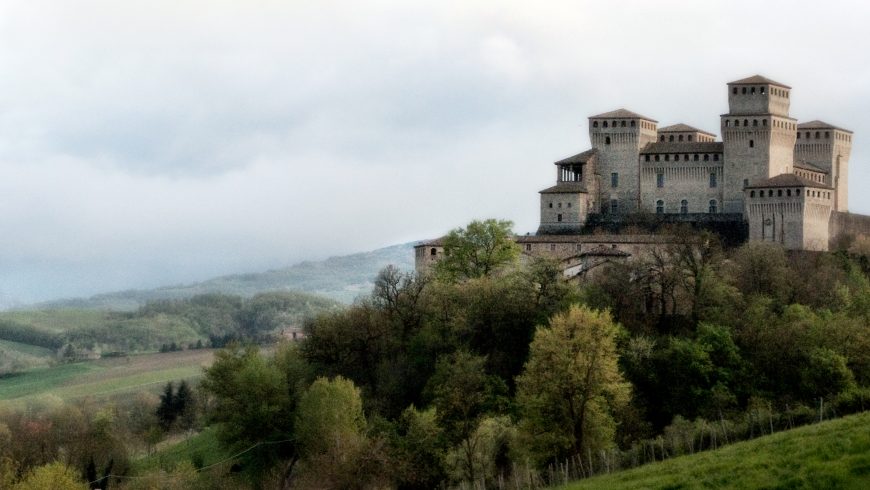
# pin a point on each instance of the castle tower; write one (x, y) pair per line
(758, 136)
(564, 207)
(828, 148)
(618, 137)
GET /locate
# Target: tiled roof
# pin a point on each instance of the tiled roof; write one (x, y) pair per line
(622, 113)
(820, 125)
(580, 157)
(809, 166)
(787, 180)
(683, 128)
(565, 188)
(604, 251)
(756, 79)
(693, 147)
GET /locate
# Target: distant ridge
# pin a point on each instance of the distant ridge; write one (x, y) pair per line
(342, 278)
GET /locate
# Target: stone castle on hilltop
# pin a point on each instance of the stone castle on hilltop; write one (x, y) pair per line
(772, 177)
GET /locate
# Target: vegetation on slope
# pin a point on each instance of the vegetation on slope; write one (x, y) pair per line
(831, 454)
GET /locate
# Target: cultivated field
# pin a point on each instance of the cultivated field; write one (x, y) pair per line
(106, 377)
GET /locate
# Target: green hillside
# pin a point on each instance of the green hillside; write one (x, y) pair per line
(833, 454)
(340, 278)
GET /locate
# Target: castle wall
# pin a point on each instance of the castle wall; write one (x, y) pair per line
(681, 181)
(563, 212)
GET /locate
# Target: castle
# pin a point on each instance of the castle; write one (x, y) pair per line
(780, 180)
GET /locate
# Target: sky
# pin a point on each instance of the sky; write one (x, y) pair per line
(147, 143)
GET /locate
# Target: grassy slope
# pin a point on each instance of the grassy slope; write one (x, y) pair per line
(833, 454)
(106, 376)
(340, 278)
(203, 446)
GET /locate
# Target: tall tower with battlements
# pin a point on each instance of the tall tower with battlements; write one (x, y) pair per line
(617, 137)
(827, 147)
(758, 136)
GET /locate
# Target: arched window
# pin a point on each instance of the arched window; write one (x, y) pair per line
(594, 124)
(433, 252)
(604, 124)
(689, 137)
(623, 124)
(764, 122)
(807, 134)
(696, 157)
(551, 205)
(827, 134)
(559, 218)
(716, 157)
(734, 90)
(684, 207)
(646, 158)
(660, 179)
(681, 138)
(671, 138)
(632, 123)
(660, 207)
(706, 158)
(712, 208)
(751, 193)
(662, 138)
(607, 139)
(752, 143)
(798, 135)
(762, 90)
(657, 158)
(744, 90)
(770, 193)
(779, 193)
(788, 192)
(797, 192)
(727, 123)
(755, 122)
(817, 135)
(746, 122)
(752, 90)
(713, 177)
(667, 158)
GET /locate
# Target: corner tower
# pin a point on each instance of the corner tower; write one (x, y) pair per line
(827, 147)
(758, 136)
(618, 136)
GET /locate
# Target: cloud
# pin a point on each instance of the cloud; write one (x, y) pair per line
(144, 143)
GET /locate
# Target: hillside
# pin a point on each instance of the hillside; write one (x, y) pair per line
(832, 454)
(341, 278)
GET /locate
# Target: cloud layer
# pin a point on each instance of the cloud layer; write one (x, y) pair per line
(145, 143)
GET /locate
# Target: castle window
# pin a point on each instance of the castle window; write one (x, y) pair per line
(569, 204)
(788, 192)
(684, 207)
(671, 138)
(433, 252)
(614, 206)
(752, 90)
(528, 247)
(827, 134)
(667, 158)
(594, 124)
(646, 158)
(744, 90)
(560, 205)
(660, 179)
(799, 135)
(770, 193)
(607, 139)
(713, 182)
(755, 122)
(764, 122)
(797, 192)
(752, 143)
(712, 207)
(716, 157)
(662, 138)
(751, 193)
(734, 90)
(551, 205)
(623, 124)
(559, 218)
(762, 90)
(817, 135)
(727, 123)
(745, 122)
(706, 158)
(681, 138)
(689, 137)
(632, 123)
(614, 179)
(696, 157)
(779, 193)
(807, 134)
(660, 207)
(736, 122)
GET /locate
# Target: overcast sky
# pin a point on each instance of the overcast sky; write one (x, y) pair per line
(145, 143)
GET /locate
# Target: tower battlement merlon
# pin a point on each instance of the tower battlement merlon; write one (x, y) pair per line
(758, 95)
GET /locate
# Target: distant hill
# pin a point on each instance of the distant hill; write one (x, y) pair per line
(340, 278)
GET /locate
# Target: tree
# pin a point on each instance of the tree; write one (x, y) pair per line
(166, 410)
(53, 476)
(463, 395)
(571, 385)
(478, 250)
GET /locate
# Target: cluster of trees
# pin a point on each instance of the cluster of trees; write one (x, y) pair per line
(487, 368)
(490, 372)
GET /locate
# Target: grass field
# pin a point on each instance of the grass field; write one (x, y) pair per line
(203, 447)
(833, 454)
(106, 376)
